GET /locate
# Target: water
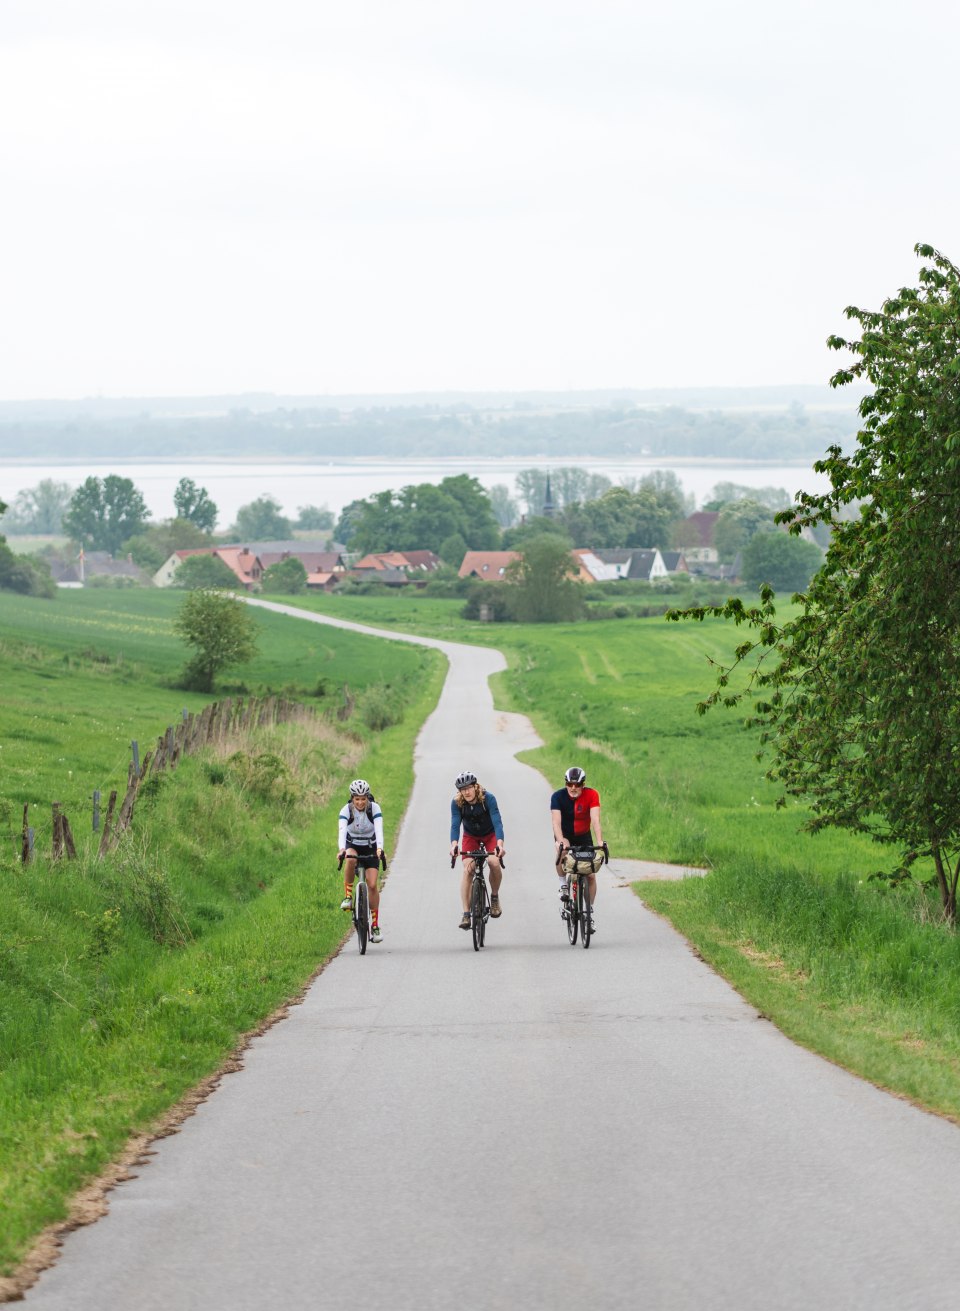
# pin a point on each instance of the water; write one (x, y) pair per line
(334, 484)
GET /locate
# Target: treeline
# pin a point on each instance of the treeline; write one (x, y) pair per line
(788, 433)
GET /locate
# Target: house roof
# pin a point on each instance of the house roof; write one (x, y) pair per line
(312, 561)
(489, 565)
(244, 563)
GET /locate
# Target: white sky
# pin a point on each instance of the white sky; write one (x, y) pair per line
(302, 196)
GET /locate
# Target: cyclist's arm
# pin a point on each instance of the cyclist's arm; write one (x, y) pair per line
(595, 825)
(377, 818)
(558, 837)
(494, 812)
(342, 830)
(455, 819)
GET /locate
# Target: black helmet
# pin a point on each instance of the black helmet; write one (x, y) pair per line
(465, 780)
(575, 775)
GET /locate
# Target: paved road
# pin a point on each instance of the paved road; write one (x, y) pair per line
(533, 1126)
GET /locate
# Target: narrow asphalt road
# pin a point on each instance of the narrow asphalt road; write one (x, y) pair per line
(532, 1126)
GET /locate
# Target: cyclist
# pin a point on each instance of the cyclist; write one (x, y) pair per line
(476, 811)
(575, 810)
(361, 843)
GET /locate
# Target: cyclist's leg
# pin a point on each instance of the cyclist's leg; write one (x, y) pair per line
(495, 874)
(466, 879)
(349, 871)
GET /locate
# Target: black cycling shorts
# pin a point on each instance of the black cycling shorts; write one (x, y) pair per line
(367, 857)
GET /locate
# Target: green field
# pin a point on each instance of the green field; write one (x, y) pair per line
(870, 978)
(125, 982)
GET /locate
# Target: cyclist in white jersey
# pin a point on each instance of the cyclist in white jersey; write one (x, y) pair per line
(360, 843)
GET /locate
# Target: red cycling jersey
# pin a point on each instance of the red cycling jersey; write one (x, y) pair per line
(575, 812)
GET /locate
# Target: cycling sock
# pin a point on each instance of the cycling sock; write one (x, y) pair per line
(376, 917)
(347, 889)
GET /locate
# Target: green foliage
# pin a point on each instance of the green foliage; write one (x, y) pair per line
(780, 559)
(542, 586)
(28, 575)
(206, 571)
(738, 523)
(621, 518)
(193, 504)
(104, 512)
(452, 550)
(421, 517)
(568, 486)
(313, 518)
(222, 632)
(261, 521)
(38, 509)
(286, 577)
(858, 699)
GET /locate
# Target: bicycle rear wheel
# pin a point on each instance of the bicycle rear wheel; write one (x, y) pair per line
(477, 908)
(573, 915)
(362, 916)
(586, 924)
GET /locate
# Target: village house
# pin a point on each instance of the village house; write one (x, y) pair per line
(243, 562)
(488, 565)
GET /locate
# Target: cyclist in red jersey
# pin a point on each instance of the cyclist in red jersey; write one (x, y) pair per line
(575, 812)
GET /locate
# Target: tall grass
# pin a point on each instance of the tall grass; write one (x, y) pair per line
(124, 982)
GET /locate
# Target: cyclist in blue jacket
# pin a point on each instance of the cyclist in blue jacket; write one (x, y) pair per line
(476, 811)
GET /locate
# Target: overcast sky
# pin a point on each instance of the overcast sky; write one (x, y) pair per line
(309, 196)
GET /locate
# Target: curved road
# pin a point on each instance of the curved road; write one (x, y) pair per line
(533, 1126)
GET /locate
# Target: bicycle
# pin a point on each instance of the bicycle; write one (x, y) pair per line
(479, 896)
(360, 910)
(576, 909)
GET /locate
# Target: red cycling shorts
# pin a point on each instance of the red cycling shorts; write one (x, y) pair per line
(470, 843)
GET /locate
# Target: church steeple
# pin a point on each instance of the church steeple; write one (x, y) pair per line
(549, 509)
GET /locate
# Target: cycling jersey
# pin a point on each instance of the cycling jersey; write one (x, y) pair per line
(365, 829)
(479, 818)
(575, 812)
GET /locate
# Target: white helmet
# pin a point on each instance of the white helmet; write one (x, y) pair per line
(359, 788)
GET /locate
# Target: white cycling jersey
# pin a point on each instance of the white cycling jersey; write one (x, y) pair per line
(365, 829)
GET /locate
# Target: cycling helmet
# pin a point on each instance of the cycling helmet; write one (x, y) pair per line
(359, 788)
(465, 780)
(575, 775)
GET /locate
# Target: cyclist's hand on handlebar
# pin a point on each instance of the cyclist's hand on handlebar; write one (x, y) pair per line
(606, 853)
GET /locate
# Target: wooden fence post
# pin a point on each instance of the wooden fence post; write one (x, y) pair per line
(67, 838)
(96, 810)
(57, 832)
(107, 825)
(26, 849)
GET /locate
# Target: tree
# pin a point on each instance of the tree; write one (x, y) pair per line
(193, 503)
(103, 513)
(158, 542)
(568, 486)
(452, 550)
(858, 693)
(204, 571)
(774, 498)
(542, 586)
(421, 516)
(738, 522)
(286, 576)
(783, 561)
(39, 509)
(261, 521)
(314, 518)
(505, 509)
(222, 632)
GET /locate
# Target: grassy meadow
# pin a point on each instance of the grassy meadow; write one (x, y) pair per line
(866, 976)
(124, 983)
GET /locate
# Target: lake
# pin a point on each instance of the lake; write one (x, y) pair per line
(334, 484)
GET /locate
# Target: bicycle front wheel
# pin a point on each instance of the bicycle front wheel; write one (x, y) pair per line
(362, 915)
(573, 915)
(477, 908)
(583, 901)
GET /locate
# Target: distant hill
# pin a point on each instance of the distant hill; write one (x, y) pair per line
(781, 423)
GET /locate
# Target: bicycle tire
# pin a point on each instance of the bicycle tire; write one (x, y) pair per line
(586, 924)
(573, 915)
(485, 916)
(362, 917)
(476, 913)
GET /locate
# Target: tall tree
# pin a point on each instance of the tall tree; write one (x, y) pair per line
(262, 521)
(858, 699)
(103, 513)
(542, 582)
(39, 509)
(194, 503)
(222, 632)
